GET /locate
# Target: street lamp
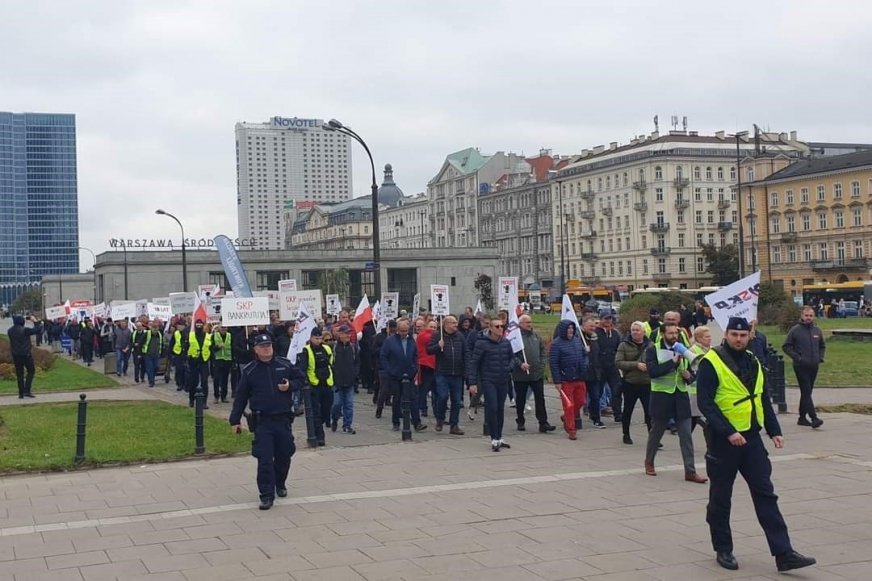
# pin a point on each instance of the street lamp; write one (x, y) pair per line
(184, 255)
(421, 214)
(334, 125)
(738, 136)
(94, 256)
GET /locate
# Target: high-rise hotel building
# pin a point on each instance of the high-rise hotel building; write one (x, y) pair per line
(283, 160)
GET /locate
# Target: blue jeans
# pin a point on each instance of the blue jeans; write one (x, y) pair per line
(150, 368)
(343, 404)
(449, 386)
(122, 358)
(494, 407)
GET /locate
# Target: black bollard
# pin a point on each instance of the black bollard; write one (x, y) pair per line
(80, 429)
(780, 385)
(405, 406)
(311, 439)
(199, 404)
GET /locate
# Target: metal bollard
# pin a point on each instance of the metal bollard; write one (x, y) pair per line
(311, 438)
(199, 404)
(780, 381)
(405, 404)
(80, 429)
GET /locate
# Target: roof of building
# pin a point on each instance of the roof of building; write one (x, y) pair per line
(389, 193)
(468, 160)
(820, 165)
(542, 164)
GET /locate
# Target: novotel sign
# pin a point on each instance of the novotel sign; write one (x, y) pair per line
(295, 123)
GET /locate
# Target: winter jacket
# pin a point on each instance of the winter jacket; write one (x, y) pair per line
(377, 343)
(87, 335)
(534, 351)
(594, 365)
(122, 338)
(394, 362)
(805, 344)
(452, 359)
(19, 336)
(626, 358)
(568, 358)
(608, 347)
(346, 364)
(492, 362)
(425, 358)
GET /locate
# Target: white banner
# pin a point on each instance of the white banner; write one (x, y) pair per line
(208, 290)
(334, 306)
(535, 300)
(513, 330)
(100, 310)
(390, 306)
(507, 293)
(416, 305)
(241, 312)
(289, 304)
(182, 303)
(739, 299)
(55, 313)
(287, 285)
(162, 312)
(439, 300)
(122, 311)
(162, 301)
(302, 332)
(273, 297)
(142, 307)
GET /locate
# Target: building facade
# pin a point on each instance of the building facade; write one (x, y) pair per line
(635, 216)
(453, 193)
(39, 225)
(811, 222)
(343, 226)
(282, 160)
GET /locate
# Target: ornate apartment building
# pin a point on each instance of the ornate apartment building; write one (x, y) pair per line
(635, 216)
(811, 221)
(343, 226)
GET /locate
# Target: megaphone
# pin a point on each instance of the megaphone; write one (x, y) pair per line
(692, 358)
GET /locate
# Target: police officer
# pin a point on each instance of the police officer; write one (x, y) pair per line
(316, 363)
(732, 396)
(266, 385)
(199, 351)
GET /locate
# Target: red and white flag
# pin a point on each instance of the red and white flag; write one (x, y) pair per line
(362, 315)
(199, 310)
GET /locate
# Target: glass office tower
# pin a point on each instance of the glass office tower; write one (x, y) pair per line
(39, 214)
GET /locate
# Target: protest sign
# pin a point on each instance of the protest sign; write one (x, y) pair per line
(162, 312)
(334, 306)
(389, 306)
(739, 299)
(55, 313)
(287, 285)
(244, 311)
(439, 300)
(182, 303)
(289, 304)
(507, 293)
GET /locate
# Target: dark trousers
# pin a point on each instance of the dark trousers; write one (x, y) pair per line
(449, 387)
(273, 446)
(384, 391)
(494, 407)
(538, 389)
(181, 365)
(425, 388)
(150, 363)
(633, 393)
(221, 369)
(595, 393)
(723, 462)
(198, 378)
(322, 404)
(611, 376)
(87, 352)
(25, 382)
(806, 376)
(397, 395)
(138, 368)
(234, 377)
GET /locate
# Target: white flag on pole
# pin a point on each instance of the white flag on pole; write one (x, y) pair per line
(739, 299)
(513, 330)
(478, 309)
(305, 324)
(567, 312)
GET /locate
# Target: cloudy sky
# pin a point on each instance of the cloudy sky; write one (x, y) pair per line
(157, 86)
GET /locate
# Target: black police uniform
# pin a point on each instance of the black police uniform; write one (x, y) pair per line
(272, 413)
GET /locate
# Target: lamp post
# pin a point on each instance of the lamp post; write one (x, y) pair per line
(124, 247)
(334, 125)
(562, 238)
(94, 256)
(184, 254)
(421, 214)
(738, 136)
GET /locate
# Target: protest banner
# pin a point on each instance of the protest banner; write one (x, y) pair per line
(162, 312)
(507, 292)
(439, 300)
(334, 306)
(302, 332)
(389, 306)
(55, 313)
(289, 304)
(287, 285)
(273, 296)
(416, 305)
(100, 310)
(244, 311)
(122, 311)
(161, 301)
(739, 299)
(182, 303)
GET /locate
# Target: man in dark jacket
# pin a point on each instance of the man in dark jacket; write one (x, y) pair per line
(490, 369)
(87, 338)
(315, 361)
(805, 345)
(449, 348)
(22, 353)
(346, 368)
(593, 379)
(399, 361)
(568, 361)
(533, 379)
(609, 339)
(383, 386)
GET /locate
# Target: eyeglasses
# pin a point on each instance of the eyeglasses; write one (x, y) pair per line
(497, 326)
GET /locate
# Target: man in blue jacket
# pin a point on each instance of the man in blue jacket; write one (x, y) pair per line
(568, 361)
(399, 361)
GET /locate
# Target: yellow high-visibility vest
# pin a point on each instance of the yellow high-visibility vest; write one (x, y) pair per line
(310, 366)
(733, 398)
(670, 382)
(194, 350)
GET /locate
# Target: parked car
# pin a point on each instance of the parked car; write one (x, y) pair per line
(851, 309)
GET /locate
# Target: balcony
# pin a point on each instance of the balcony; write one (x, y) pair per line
(788, 237)
(587, 195)
(661, 277)
(660, 227)
(840, 264)
(661, 251)
(640, 185)
(587, 214)
(723, 203)
(640, 206)
(589, 234)
(682, 204)
(607, 211)
(589, 256)
(725, 226)
(680, 183)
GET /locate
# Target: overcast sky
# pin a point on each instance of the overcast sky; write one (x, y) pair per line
(157, 86)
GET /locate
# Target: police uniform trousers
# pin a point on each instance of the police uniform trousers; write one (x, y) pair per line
(723, 462)
(273, 446)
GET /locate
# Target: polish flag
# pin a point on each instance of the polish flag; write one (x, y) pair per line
(199, 310)
(362, 315)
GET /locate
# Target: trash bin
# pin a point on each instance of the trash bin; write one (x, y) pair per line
(109, 363)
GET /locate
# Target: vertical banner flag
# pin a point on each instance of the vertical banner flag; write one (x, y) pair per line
(287, 285)
(739, 299)
(302, 332)
(508, 289)
(389, 309)
(362, 315)
(416, 305)
(439, 300)
(380, 321)
(513, 329)
(478, 310)
(567, 312)
(334, 307)
(232, 267)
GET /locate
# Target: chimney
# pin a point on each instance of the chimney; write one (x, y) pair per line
(793, 135)
(655, 135)
(599, 149)
(720, 135)
(782, 137)
(613, 145)
(693, 133)
(585, 152)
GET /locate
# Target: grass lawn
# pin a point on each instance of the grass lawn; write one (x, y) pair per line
(850, 408)
(43, 437)
(64, 375)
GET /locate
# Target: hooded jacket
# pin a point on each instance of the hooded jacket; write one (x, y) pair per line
(568, 359)
(492, 362)
(628, 355)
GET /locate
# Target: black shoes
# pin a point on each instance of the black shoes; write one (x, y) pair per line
(728, 561)
(521, 426)
(334, 425)
(628, 440)
(816, 423)
(420, 427)
(281, 492)
(793, 560)
(265, 504)
(803, 422)
(546, 427)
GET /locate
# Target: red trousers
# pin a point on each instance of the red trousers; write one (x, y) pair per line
(572, 395)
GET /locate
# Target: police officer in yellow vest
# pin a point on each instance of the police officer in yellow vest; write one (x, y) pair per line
(199, 350)
(316, 363)
(732, 396)
(669, 378)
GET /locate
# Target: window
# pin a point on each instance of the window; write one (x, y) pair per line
(775, 224)
(681, 265)
(219, 278)
(599, 184)
(708, 174)
(609, 182)
(680, 216)
(661, 266)
(697, 194)
(658, 173)
(840, 250)
(733, 173)
(696, 173)
(679, 171)
(822, 220)
(710, 217)
(855, 189)
(791, 223)
(750, 174)
(858, 216)
(773, 199)
(626, 179)
(776, 254)
(791, 253)
(788, 197)
(821, 193)
(837, 191)
(823, 251)
(700, 264)
(710, 195)
(858, 249)
(269, 279)
(681, 239)
(699, 238)
(803, 195)
(840, 218)
(806, 252)
(658, 194)
(711, 239)
(644, 266)
(806, 222)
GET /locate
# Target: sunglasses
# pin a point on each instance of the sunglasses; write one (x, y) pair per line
(497, 326)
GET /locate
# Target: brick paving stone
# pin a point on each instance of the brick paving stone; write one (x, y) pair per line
(77, 560)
